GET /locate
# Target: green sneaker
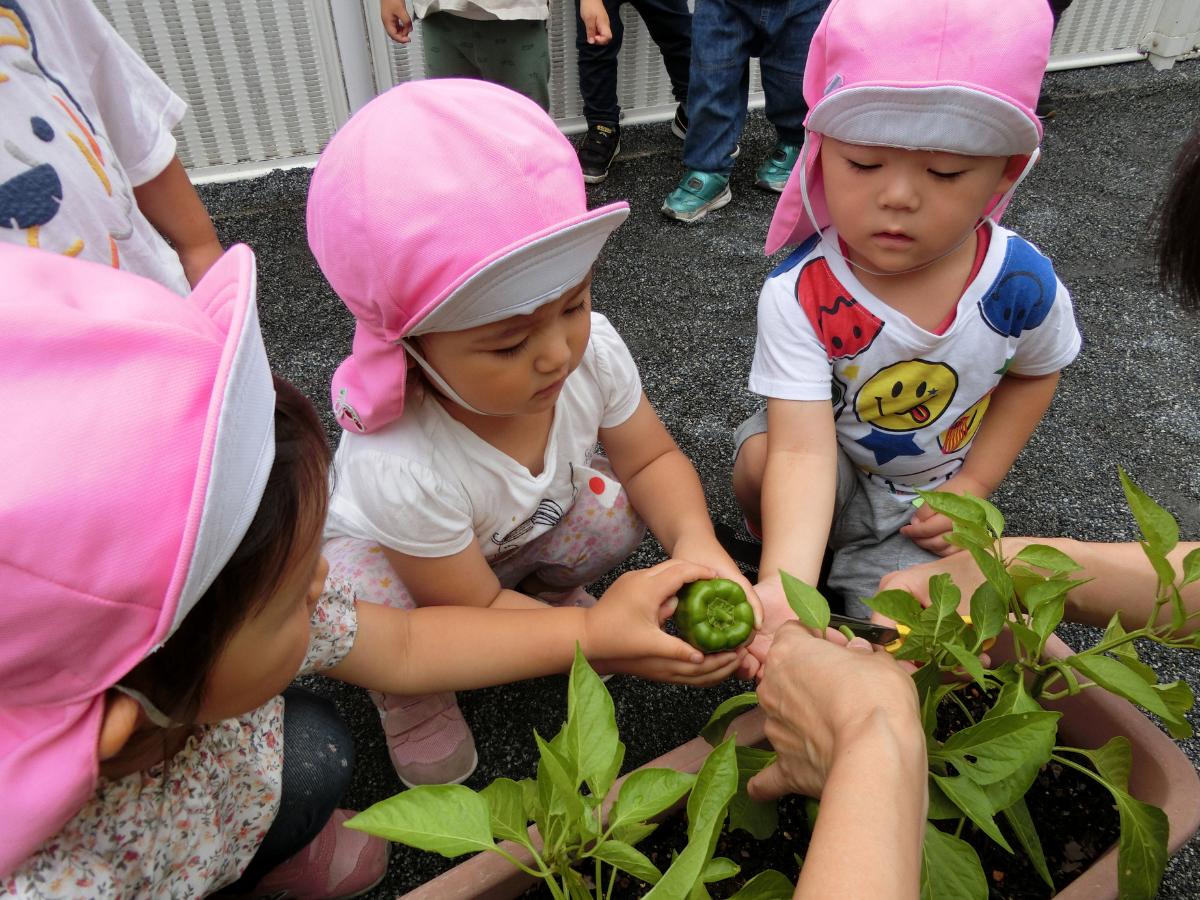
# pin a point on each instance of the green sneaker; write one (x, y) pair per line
(773, 174)
(698, 193)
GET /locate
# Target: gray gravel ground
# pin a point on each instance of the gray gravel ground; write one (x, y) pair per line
(684, 299)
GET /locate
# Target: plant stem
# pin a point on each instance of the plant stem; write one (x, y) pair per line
(542, 870)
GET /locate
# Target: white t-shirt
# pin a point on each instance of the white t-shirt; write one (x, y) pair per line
(429, 486)
(190, 826)
(907, 402)
(84, 121)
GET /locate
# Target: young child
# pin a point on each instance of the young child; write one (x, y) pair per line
(87, 160)
(726, 33)
(161, 583)
(480, 382)
(938, 334)
(599, 33)
(504, 41)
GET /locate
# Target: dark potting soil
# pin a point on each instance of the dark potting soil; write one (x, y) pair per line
(1075, 819)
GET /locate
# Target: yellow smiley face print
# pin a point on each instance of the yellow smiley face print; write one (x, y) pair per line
(907, 395)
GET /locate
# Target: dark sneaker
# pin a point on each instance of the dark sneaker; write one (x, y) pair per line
(698, 194)
(680, 122)
(773, 174)
(600, 147)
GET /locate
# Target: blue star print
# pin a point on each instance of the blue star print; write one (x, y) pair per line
(887, 447)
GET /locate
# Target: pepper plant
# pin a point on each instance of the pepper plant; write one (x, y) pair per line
(982, 772)
(580, 850)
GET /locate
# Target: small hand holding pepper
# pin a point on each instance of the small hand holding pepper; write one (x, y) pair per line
(624, 629)
(707, 551)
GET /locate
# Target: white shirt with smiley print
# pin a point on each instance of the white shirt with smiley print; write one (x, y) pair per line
(907, 402)
(85, 121)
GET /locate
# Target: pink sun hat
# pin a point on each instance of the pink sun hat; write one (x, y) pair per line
(440, 206)
(956, 76)
(138, 442)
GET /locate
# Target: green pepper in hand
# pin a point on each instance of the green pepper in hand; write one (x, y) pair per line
(714, 615)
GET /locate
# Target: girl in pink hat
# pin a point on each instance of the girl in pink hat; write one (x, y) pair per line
(161, 584)
(480, 382)
(909, 342)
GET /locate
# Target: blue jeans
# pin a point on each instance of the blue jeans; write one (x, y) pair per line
(669, 24)
(318, 758)
(726, 33)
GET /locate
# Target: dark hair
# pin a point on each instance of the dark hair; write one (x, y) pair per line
(1178, 225)
(290, 515)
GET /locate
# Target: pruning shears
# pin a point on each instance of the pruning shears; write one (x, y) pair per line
(890, 637)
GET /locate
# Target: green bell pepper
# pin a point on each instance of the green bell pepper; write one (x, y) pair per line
(714, 615)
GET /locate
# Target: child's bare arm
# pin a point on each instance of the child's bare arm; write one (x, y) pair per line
(462, 579)
(595, 21)
(171, 205)
(664, 488)
(1017, 405)
(396, 20)
(456, 648)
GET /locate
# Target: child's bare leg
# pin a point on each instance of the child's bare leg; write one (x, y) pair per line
(749, 462)
(428, 738)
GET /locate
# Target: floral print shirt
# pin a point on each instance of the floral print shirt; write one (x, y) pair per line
(190, 826)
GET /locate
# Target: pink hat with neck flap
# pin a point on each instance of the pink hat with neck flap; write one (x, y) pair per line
(443, 205)
(956, 76)
(137, 441)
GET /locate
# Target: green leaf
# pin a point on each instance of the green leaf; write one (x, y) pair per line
(1142, 849)
(968, 535)
(943, 595)
(995, 520)
(1046, 591)
(718, 869)
(1157, 525)
(957, 507)
(634, 833)
(602, 783)
(1013, 698)
(758, 818)
(899, 606)
(590, 734)
(1021, 824)
(577, 888)
(443, 818)
(1179, 697)
(971, 799)
(1116, 631)
(628, 859)
(1029, 639)
(1159, 562)
(988, 611)
(767, 885)
(723, 715)
(1048, 558)
(646, 793)
(558, 796)
(1114, 676)
(506, 805)
(997, 747)
(806, 602)
(950, 869)
(993, 571)
(1191, 567)
(970, 663)
(715, 784)
(940, 806)
(1047, 617)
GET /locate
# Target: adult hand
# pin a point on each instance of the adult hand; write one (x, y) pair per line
(821, 699)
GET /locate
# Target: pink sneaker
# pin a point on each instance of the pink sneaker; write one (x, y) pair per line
(338, 863)
(428, 738)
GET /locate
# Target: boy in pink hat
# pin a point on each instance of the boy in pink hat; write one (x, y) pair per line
(909, 342)
(480, 382)
(161, 584)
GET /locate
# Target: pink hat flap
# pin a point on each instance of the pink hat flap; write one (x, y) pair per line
(956, 76)
(135, 457)
(440, 206)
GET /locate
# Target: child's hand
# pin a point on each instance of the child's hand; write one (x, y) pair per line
(928, 529)
(623, 631)
(595, 20)
(396, 20)
(775, 612)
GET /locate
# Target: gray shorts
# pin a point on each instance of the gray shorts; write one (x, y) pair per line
(865, 534)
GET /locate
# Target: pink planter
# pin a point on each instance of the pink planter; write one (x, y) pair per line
(1161, 774)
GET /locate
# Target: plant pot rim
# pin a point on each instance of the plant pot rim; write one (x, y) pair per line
(1161, 774)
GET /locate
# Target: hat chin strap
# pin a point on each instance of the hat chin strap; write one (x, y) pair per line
(441, 384)
(837, 251)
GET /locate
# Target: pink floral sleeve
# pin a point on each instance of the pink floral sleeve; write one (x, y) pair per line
(334, 627)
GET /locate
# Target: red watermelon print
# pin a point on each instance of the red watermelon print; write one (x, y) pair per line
(845, 327)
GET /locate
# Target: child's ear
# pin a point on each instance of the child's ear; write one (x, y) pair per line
(1012, 171)
(120, 721)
